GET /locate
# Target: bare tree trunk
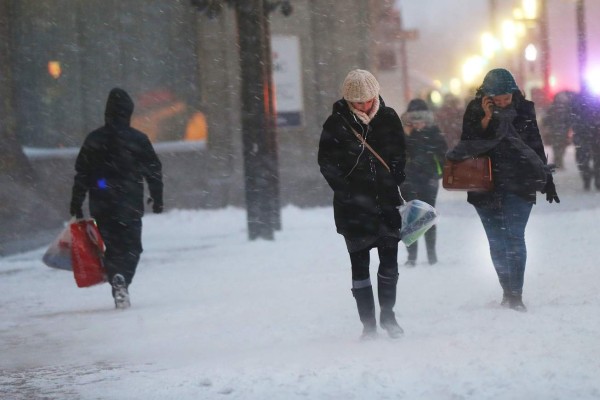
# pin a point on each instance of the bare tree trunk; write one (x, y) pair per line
(13, 162)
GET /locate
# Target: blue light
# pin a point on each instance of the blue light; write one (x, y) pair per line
(102, 183)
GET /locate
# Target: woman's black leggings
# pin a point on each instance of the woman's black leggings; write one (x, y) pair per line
(387, 248)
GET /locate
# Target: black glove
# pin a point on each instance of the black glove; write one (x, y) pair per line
(157, 206)
(76, 211)
(550, 191)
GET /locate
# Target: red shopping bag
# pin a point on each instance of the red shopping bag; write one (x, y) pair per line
(87, 251)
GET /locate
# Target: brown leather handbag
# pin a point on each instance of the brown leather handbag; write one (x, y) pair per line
(472, 175)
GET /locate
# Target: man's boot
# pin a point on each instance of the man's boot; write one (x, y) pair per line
(120, 292)
(386, 291)
(587, 179)
(366, 311)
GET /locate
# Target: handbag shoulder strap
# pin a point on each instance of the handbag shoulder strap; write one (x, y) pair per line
(367, 145)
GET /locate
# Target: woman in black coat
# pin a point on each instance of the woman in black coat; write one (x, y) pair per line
(365, 191)
(426, 149)
(500, 112)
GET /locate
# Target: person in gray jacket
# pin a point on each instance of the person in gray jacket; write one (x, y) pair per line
(426, 150)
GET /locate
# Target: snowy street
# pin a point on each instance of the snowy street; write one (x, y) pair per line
(215, 316)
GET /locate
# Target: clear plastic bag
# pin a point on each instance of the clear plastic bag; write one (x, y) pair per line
(58, 254)
(417, 218)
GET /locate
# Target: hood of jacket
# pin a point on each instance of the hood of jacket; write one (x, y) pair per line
(409, 117)
(119, 108)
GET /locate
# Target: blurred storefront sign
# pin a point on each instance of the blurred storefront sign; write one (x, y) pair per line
(288, 80)
(165, 117)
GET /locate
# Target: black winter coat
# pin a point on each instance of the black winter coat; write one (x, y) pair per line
(113, 163)
(504, 157)
(365, 193)
(586, 121)
(426, 151)
(425, 154)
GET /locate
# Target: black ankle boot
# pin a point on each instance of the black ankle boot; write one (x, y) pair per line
(432, 258)
(505, 299)
(412, 250)
(366, 311)
(515, 302)
(430, 239)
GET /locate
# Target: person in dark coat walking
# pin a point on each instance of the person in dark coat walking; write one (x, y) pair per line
(556, 126)
(365, 191)
(449, 119)
(112, 165)
(426, 150)
(499, 111)
(586, 138)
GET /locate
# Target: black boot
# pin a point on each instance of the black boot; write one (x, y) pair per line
(430, 239)
(505, 299)
(587, 179)
(366, 311)
(505, 290)
(515, 302)
(386, 291)
(413, 250)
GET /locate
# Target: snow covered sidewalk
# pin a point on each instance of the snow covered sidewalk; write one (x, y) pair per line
(217, 317)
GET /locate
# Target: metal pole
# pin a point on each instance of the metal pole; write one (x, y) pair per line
(581, 44)
(404, 64)
(545, 48)
(494, 17)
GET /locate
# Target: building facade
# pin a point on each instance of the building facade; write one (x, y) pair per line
(177, 63)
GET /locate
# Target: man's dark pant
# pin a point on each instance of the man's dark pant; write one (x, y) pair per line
(587, 156)
(123, 240)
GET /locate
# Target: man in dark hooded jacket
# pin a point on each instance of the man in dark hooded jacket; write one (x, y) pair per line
(112, 165)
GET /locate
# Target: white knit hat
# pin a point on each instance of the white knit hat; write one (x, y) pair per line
(360, 86)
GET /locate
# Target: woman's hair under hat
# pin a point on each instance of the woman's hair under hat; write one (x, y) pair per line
(360, 86)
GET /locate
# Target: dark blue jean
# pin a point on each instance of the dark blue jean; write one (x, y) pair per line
(505, 230)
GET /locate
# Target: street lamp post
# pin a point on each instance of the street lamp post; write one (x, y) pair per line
(545, 48)
(581, 45)
(532, 20)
